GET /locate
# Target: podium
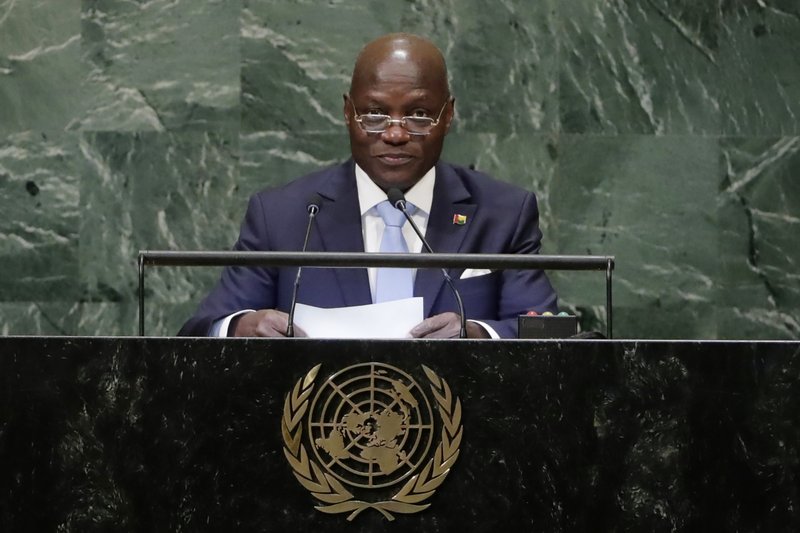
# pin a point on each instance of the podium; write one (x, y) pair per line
(165, 434)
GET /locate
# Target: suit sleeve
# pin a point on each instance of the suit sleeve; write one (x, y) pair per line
(521, 291)
(239, 287)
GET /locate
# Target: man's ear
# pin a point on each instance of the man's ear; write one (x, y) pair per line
(451, 112)
(347, 108)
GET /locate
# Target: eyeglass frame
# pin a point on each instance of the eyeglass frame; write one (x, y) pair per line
(400, 121)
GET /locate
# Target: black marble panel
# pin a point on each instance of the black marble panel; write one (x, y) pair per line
(185, 435)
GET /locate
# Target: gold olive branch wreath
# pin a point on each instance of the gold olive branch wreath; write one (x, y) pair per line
(327, 489)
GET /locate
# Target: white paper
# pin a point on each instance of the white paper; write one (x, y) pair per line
(387, 320)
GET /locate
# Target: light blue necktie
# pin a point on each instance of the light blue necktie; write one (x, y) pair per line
(393, 283)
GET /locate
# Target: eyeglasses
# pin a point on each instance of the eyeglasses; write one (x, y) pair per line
(376, 123)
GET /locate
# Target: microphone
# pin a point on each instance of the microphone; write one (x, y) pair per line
(313, 208)
(398, 201)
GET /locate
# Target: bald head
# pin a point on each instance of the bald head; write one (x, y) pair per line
(398, 76)
(415, 55)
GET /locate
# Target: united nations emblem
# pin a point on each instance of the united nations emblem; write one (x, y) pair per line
(371, 430)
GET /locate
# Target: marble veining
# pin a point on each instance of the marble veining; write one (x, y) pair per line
(663, 132)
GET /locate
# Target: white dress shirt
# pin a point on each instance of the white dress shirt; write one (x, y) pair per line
(372, 226)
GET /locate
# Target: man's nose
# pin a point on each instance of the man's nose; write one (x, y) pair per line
(395, 134)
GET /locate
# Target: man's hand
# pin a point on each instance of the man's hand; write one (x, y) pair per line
(446, 326)
(263, 323)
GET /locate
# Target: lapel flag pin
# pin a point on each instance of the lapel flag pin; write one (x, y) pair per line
(459, 220)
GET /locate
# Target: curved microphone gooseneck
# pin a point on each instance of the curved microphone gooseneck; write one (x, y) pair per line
(398, 200)
(313, 208)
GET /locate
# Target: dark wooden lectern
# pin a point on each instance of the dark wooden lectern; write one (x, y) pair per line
(161, 434)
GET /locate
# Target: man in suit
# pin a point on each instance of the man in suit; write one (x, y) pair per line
(398, 111)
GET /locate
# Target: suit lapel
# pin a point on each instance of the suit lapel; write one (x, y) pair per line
(339, 223)
(450, 198)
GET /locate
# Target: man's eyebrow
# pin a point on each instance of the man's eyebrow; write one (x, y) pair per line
(423, 98)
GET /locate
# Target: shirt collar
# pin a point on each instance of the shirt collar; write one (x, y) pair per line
(370, 195)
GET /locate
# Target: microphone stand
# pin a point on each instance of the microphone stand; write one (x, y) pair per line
(398, 200)
(313, 209)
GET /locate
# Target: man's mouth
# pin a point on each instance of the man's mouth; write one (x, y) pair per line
(394, 159)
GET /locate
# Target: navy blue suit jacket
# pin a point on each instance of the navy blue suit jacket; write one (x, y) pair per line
(501, 218)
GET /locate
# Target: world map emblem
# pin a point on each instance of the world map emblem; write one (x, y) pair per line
(369, 437)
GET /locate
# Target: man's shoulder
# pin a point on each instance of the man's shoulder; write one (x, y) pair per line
(309, 183)
(480, 184)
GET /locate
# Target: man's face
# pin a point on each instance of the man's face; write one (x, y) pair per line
(398, 88)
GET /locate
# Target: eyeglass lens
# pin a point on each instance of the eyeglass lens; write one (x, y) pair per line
(380, 123)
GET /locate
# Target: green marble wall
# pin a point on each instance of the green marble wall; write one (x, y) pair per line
(664, 132)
